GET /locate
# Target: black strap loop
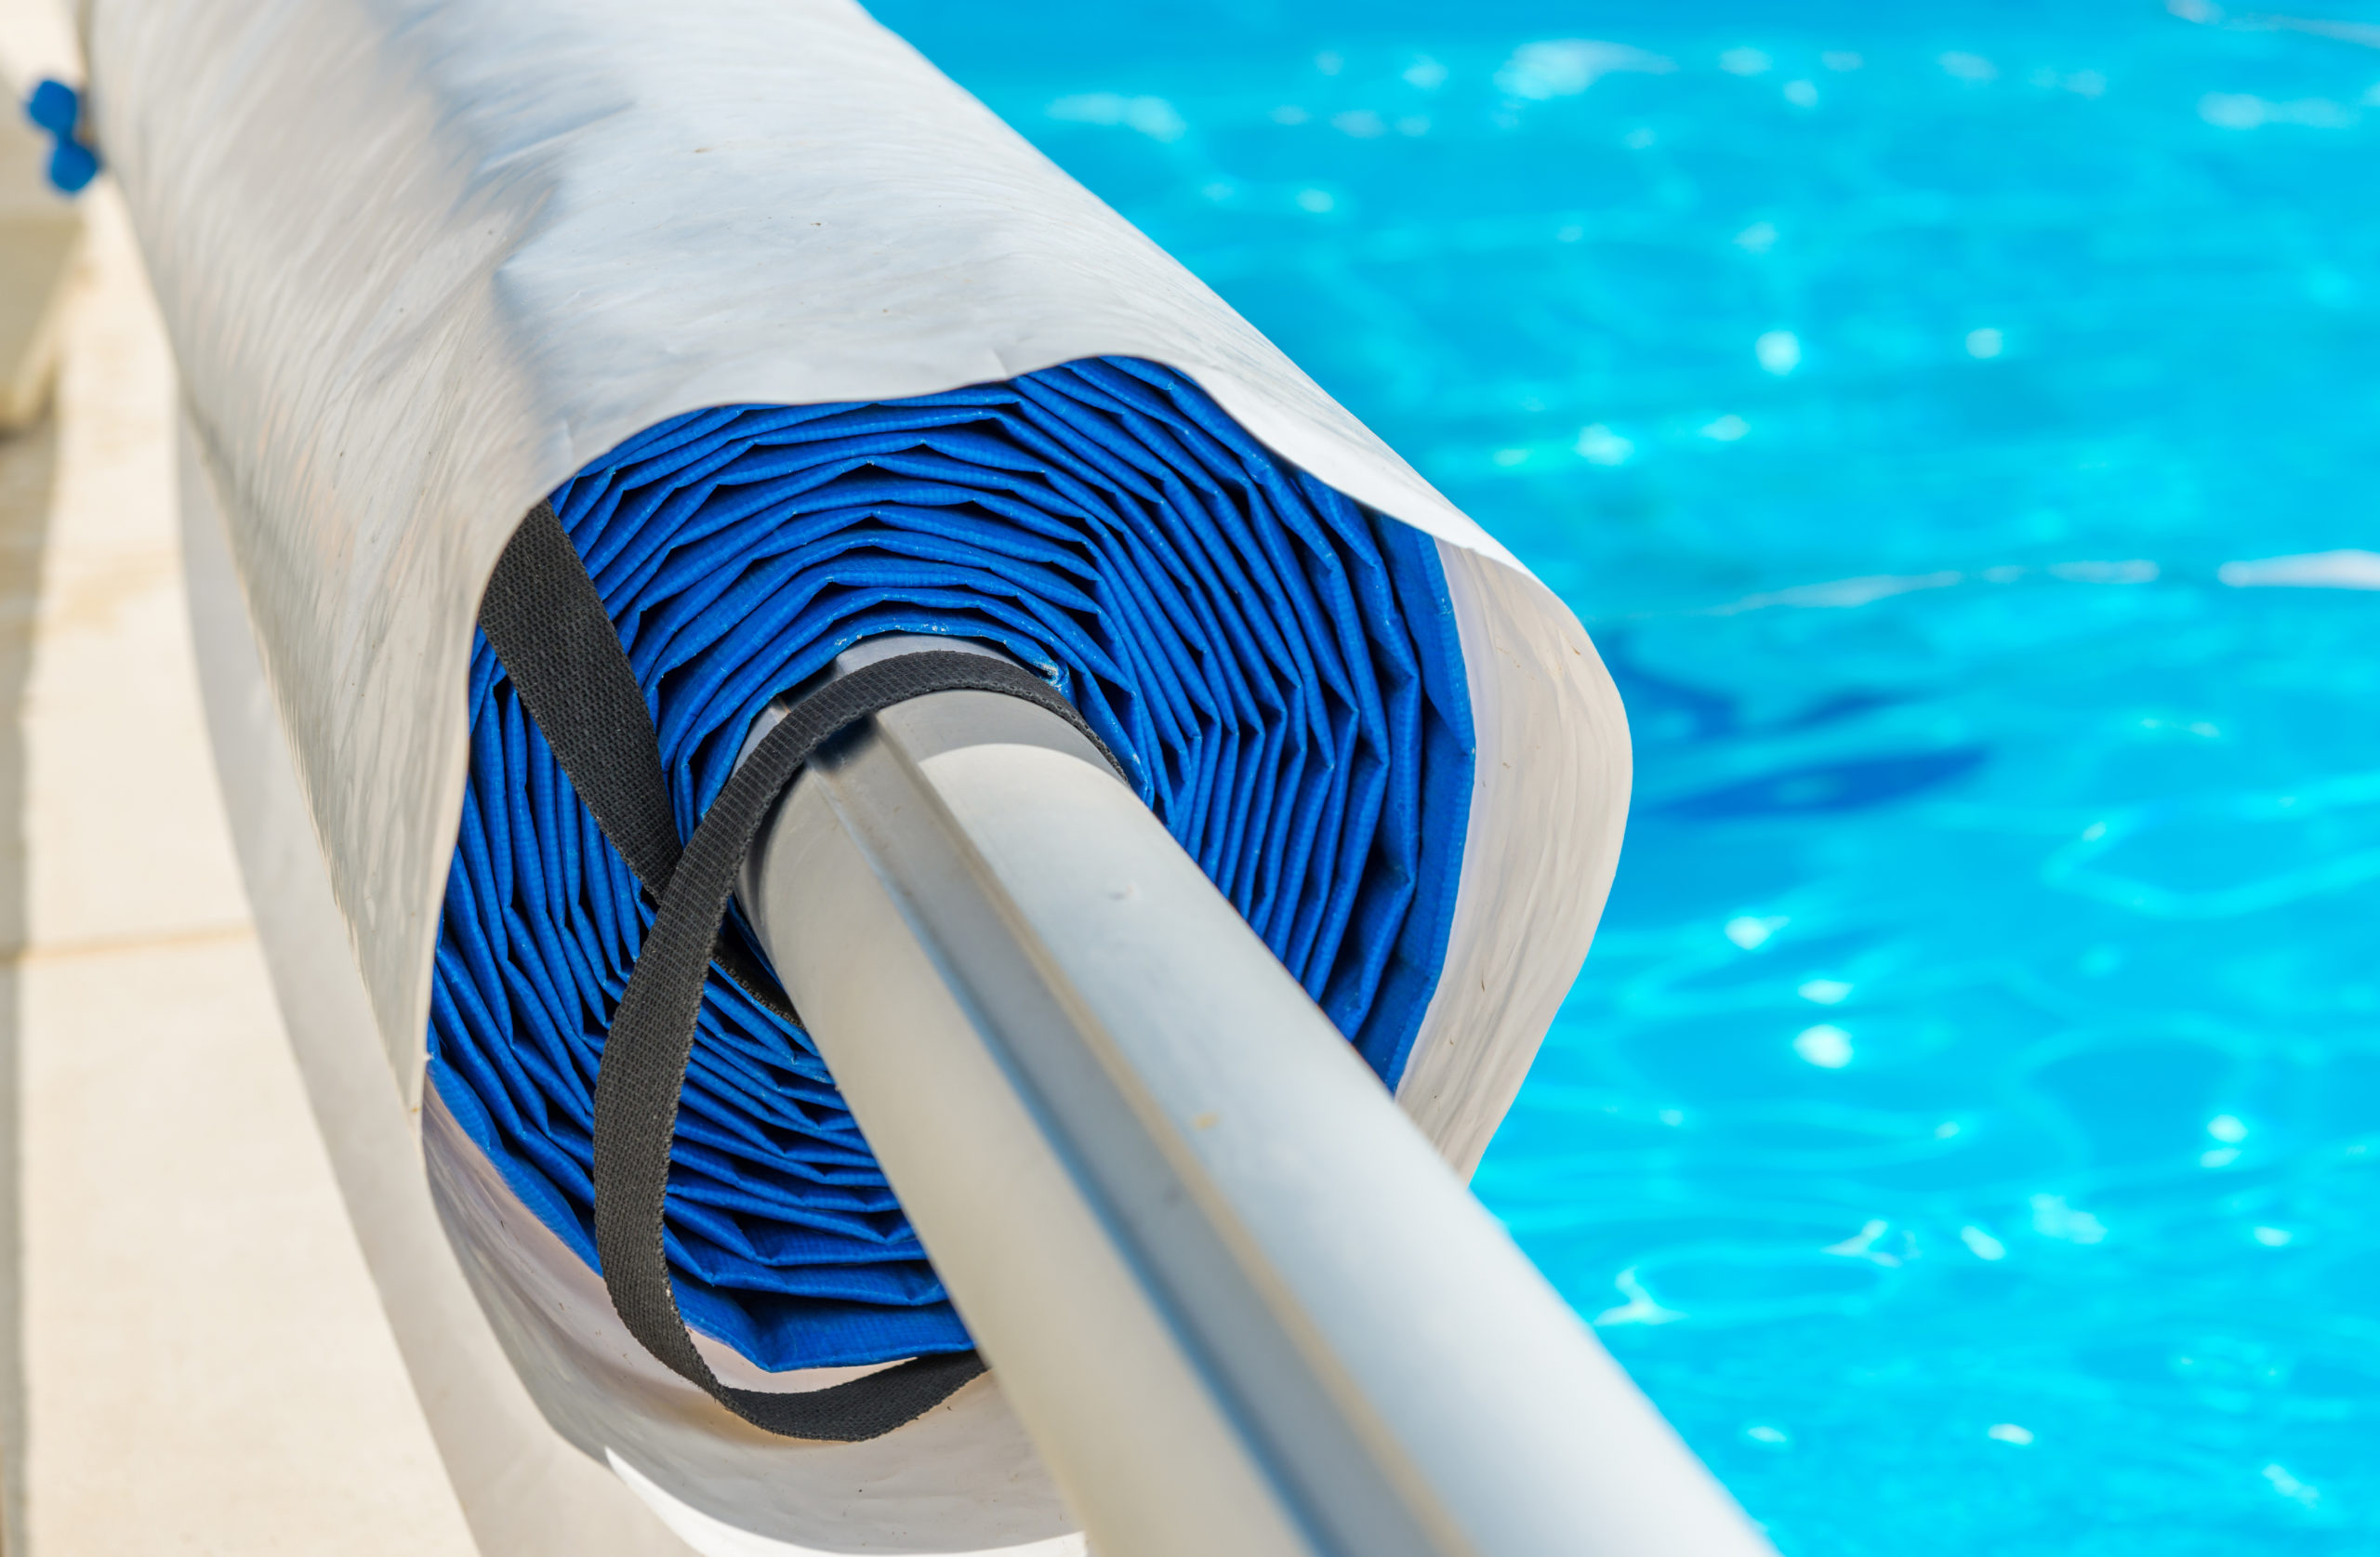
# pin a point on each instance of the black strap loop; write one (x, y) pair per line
(548, 626)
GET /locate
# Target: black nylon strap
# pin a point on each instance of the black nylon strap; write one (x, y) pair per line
(653, 1034)
(548, 626)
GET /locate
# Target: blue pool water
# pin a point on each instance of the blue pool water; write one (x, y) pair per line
(1968, 1125)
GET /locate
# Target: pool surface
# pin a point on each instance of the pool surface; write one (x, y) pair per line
(1959, 434)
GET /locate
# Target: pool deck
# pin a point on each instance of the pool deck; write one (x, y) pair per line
(193, 1359)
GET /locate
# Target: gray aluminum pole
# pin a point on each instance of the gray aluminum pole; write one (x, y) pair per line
(1235, 1296)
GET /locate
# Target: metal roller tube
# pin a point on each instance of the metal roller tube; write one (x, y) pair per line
(1239, 1302)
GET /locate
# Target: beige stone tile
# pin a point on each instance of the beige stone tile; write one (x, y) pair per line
(119, 780)
(209, 1371)
(36, 39)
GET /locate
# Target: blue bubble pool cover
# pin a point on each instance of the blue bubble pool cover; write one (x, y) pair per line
(1277, 669)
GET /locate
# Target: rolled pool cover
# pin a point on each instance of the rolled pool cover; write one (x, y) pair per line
(1273, 668)
(805, 346)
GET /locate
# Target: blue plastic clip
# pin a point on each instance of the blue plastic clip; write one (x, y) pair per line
(58, 108)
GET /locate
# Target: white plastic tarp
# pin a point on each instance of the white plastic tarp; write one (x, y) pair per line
(421, 259)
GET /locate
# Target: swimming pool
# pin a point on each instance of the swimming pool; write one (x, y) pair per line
(1968, 1125)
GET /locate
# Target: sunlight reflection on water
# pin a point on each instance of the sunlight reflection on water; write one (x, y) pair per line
(1954, 424)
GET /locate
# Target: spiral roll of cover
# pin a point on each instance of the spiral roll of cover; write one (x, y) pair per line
(545, 249)
(1276, 667)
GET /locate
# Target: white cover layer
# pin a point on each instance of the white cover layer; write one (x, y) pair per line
(421, 259)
